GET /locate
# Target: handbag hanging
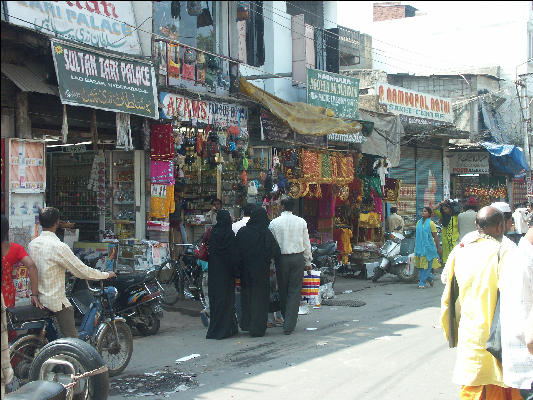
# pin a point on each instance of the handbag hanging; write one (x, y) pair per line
(204, 19)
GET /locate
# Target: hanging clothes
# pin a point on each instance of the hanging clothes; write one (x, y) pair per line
(326, 204)
(162, 172)
(124, 140)
(163, 206)
(162, 142)
(378, 203)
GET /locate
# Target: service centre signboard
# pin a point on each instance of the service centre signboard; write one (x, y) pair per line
(107, 82)
(414, 104)
(339, 93)
(105, 24)
(476, 162)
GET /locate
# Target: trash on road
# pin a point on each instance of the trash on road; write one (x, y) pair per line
(158, 383)
(303, 310)
(322, 343)
(348, 291)
(311, 329)
(187, 358)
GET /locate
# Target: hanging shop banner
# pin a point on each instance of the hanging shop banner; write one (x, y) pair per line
(206, 111)
(105, 24)
(469, 163)
(403, 101)
(273, 129)
(104, 81)
(27, 172)
(339, 93)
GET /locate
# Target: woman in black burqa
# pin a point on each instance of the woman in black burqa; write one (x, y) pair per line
(257, 246)
(221, 279)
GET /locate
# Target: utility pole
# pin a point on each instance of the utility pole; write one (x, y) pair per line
(526, 129)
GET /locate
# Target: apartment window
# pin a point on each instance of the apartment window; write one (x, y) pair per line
(255, 35)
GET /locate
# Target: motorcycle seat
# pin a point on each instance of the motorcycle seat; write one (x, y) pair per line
(325, 248)
(39, 390)
(124, 281)
(28, 313)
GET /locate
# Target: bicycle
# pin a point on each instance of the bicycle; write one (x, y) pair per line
(182, 277)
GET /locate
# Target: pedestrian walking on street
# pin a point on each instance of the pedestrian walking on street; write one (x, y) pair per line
(221, 278)
(450, 227)
(516, 304)
(427, 248)
(467, 219)
(257, 246)
(292, 236)
(475, 267)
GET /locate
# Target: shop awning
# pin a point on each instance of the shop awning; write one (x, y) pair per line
(506, 158)
(385, 138)
(27, 80)
(303, 118)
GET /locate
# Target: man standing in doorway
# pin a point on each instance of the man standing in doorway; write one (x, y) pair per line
(476, 267)
(292, 236)
(53, 258)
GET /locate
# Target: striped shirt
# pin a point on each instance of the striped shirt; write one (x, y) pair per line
(53, 258)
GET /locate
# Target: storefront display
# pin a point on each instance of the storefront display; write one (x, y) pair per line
(486, 189)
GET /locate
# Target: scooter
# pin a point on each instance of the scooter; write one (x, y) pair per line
(397, 257)
(65, 368)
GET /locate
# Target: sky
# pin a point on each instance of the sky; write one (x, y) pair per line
(448, 36)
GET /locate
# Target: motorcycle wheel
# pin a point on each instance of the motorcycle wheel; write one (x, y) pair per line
(378, 273)
(153, 323)
(22, 353)
(116, 355)
(405, 276)
(83, 357)
(168, 282)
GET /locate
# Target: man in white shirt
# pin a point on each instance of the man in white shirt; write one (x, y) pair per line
(292, 236)
(467, 219)
(516, 304)
(247, 212)
(521, 218)
(53, 258)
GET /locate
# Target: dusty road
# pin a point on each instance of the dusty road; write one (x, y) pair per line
(390, 348)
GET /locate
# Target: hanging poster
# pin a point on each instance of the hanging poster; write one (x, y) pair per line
(27, 172)
(104, 81)
(102, 256)
(105, 24)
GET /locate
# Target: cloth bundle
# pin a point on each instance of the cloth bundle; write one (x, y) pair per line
(162, 172)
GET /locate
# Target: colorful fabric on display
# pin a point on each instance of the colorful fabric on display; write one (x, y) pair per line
(369, 220)
(162, 207)
(326, 204)
(378, 203)
(392, 189)
(161, 142)
(310, 165)
(162, 172)
(371, 182)
(325, 165)
(310, 207)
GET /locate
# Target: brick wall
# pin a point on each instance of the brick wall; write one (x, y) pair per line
(388, 10)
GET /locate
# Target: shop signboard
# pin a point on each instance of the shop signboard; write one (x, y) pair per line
(273, 129)
(104, 81)
(105, 24)
(469, 163)
(339, 93)
(414, 105)
(406, 203)
(347, 138)
(206, 111)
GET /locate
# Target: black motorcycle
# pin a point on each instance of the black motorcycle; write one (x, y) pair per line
(325, 260)
(138, 301)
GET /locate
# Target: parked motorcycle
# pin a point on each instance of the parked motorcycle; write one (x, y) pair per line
(397, 257)
(108, 333)
(65, 368)
(325, 260)
(138, 301)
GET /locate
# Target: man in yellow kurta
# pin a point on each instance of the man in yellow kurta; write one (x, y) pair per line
(476, 266)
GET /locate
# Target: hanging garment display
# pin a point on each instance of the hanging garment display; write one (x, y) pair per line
(311, 167)
(97, 181)
(162, 172)
(189, 58)
(378, 203)
(162, 202)
(392, 189)
(213, 67)
(201, 67)
(326, 204)
(194, 8)
(325, 165)
(173, 60)
(204, 19)
(124, 141)
(161, 142)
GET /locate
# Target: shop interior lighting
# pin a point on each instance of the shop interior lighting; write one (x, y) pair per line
(468, 175)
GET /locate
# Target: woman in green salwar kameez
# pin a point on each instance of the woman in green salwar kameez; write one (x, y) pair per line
(450, 228)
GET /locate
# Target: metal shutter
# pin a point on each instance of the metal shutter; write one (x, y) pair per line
(429, 190)
(406, 171)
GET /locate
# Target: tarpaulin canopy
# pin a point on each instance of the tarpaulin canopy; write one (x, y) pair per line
(385, 138)
(303, 118)
(506, 158)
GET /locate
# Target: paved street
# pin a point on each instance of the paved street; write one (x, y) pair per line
(391, 348)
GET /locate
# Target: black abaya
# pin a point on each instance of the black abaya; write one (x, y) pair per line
(221, 279)
(257, 246)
